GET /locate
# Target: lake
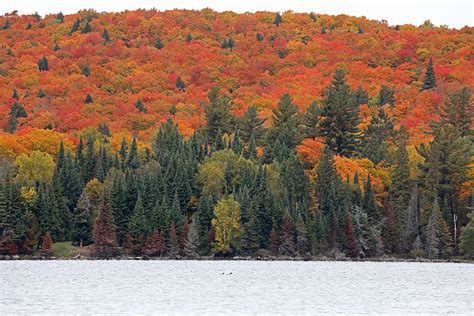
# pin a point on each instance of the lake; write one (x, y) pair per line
(157, 287)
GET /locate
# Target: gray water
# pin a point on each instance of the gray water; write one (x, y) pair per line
(236, 287)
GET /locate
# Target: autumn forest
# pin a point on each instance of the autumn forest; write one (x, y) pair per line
(189, 134)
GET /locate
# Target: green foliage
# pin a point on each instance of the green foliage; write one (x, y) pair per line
(430, 79)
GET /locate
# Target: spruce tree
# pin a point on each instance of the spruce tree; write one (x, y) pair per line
(173, 242)
(75, 26)
(386, 96)
(301, 236)
(47, 246)
(217, 114)
(132, 159)
(152, 245)
(191, 244)
(251, 125)
(457, 111)
(311, 120)
(180, 85)
(159, 44)
(287, 236)
(350, 246)
(369, 203)
(138, 226)
(87, 28)
(467, 237)
(374, 139)
(105, 36)
(43, 64)
(340, 117)
(82, 222)
(429, 81)
(88, 99)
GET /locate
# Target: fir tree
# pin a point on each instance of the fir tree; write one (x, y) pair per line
(86, 71)
(152, 245)
(301, 236)
(173, 242)
(467, 237)
(87, 28)
(369, 202)
(278, 19)
(374, 139)
(287, 237)
(191, 244)
(132, 159)
(138, 226)
(259, 37)
(457, 111)
(88, 99)
(180, 85)
(286, 124)
(430, 80)
(105, 36)
(217, 114)
(75, 26)
(350, 243)
(159, 44)
(386, 96)
(140, 106)
(189, 38)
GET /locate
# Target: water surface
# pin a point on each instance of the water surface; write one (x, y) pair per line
(157, 287)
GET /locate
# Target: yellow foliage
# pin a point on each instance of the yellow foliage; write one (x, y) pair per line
(37, 167)
(226, 224)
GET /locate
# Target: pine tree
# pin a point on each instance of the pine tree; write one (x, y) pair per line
(369, 203)
(140, 106)
(301, 236)
(88, 169)
(82, 223)
(430, 79)
(138, 226)
(374, 139)
(340, 117)
(278, 19)
(286, 124)
(217, 114)
(311, 120)
(251, 125)
(250, 241)
(327, 183)
(438, 238)
(75, 26)
(47, 246)
(43, 64)
(104, 232)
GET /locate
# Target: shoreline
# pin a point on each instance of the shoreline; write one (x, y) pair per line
(235, 258)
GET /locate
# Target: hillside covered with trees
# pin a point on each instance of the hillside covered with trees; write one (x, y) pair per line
(196, 133)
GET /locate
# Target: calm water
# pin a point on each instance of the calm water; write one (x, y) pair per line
(157, 287)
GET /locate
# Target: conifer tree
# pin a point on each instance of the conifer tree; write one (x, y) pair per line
(82, 222)
(104, 232)
(159, 44)
(138, 226)
(301, 236)
(191, 244)
(350, 243)
(369, 202)
(87, 28)
(105, 36)
(467, 237)
(457, 111)
(43, 64)
(152, 245)
(374, 139)
(47, 246)
(189, 38)
(75, 26)
(217, 114)
(132, 159)
(251, 125)
(273, 241)
(88, 99)
(386, 96)
(340, 117)
(287, 236)
(429, 81)
(140, 106)
(173, 242)
(278, 19)
(286, 123)
(311, 120)
(180, 85)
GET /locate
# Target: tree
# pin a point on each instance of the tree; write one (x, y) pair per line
(217, 114)
(386, 96)
(159, 44)
(311, 120)
(189, 38)
(132, 159)
(86, 71)
(138, 226)
(286, 124)
(87, 28)
(301, 236)
(152, 245)
(226, 223)
(369, 202)
(140, 106)
(250, 125)
(75, 26)
(47, 246)
(180, 85)
(88, 99)
(467, 237)
(278, 19)
(287, 237)
(106, 36)
(191, 244)
(37, 167)
(340, 117)
(438, 238)
(374, 139)
(82, 222)
(350, 243)
(173, 242)
(457, 111)
(43, 64)
(430, 79)
(104, 232)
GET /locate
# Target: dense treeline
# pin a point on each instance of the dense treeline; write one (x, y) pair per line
(240, 186)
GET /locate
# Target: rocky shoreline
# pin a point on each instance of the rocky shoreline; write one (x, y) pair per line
(241, 258)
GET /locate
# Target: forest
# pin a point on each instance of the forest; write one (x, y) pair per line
(189, 134)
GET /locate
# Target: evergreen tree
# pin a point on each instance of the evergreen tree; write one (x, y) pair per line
(75, 26)
(251, 125)
(132, 159)
(159, 44)
(43, 64)
(311, 120)
(369, 202)
(438, 238)
(457, 111)
(327, 183)
(278, 19)
(88, 99)
(467, 237)
(386, 96)
(105, 36)
(152, 245)
(287, 237)
(138, 226)
(217, 114)
(89, 165)
(374, 139)
(47, 246)
(104, 234)
(189, 38)
(430, 79)
(273, 241)
(250, 241)
(82, 223)
(350, 243)
(87, 28)
(259, 37)
(191, 244)
(180, 85)
(286, 124)
(301, 236)
(173, 242)
(86, 71)
(140, 106)
(340, 117)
